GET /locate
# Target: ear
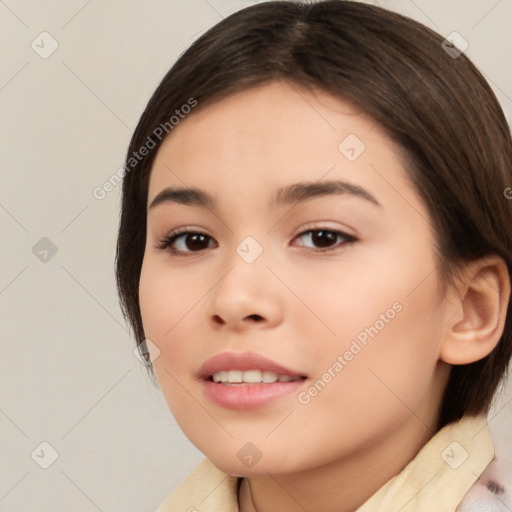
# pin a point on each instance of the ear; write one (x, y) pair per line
(480, 310)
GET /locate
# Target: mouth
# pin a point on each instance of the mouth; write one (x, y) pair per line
(247, 381)
(237, 377)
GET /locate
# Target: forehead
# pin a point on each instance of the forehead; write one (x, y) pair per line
(267, 137)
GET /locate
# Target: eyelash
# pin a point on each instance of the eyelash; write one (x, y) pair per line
(169, 240)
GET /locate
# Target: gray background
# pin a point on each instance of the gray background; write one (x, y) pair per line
(68, 373)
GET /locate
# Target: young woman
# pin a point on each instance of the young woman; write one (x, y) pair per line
(315, 248)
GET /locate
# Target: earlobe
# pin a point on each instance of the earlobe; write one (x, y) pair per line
(483, 295)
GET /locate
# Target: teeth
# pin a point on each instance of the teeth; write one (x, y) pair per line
(220, 377)
(235, 376)
(268, 377)
(250, 377)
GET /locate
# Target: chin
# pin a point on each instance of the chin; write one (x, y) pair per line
(245, 467)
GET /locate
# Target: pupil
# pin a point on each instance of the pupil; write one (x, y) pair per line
(323, 238)
(196, 242)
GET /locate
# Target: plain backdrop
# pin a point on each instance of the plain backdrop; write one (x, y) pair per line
(74, 79)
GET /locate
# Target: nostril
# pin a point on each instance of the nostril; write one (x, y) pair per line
(256, 318)
(218, 320)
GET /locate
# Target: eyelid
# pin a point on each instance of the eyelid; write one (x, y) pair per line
(326, 226)
(186, 229)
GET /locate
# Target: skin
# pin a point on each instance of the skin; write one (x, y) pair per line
(334, 452)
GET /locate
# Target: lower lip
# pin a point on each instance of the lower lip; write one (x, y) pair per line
(248, 396)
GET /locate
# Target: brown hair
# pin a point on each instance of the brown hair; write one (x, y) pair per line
(437, 108)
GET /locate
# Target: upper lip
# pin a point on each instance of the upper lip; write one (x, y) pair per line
(242, 361)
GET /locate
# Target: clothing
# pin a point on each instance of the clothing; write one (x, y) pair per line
(435, 480)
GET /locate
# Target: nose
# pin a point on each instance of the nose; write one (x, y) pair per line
(246, 297)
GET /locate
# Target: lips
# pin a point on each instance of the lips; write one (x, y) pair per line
(247, 381)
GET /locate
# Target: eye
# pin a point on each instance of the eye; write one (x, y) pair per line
(324, 239)
(186, 242)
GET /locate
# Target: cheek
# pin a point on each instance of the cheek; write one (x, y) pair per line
(367, 280)
(166, 298)
(165, 303)
(385, 347)
(389, 304)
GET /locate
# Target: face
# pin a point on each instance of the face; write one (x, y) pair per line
(289, 284)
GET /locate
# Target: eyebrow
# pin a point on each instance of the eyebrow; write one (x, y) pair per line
(299, 192)
(291, 194)
(187, 196)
